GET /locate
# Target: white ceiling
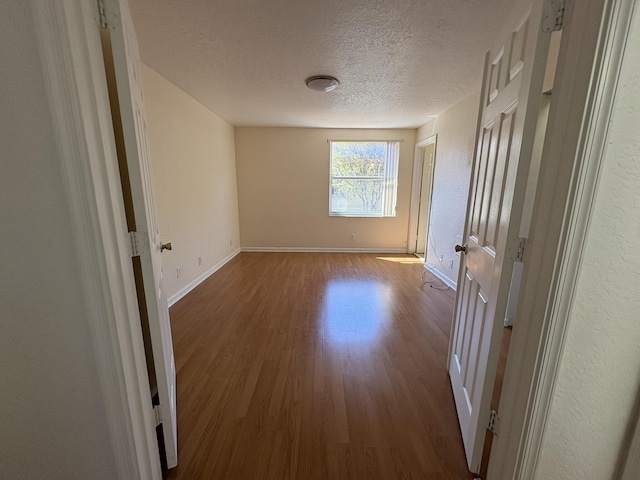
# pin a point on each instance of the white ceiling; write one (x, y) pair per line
(399, 61)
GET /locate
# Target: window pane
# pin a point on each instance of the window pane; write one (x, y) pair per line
(358, 159)
(357, 197)
(364, 178)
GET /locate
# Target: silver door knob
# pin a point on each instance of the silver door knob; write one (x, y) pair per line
(166, 246)
(461, 248)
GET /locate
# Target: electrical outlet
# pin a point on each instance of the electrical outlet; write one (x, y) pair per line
(231, 242)
(450, 263)
(352, 237)
(199, 260)
(178, 272)
(441, 258)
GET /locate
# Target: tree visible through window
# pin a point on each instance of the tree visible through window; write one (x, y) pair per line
(364, 179)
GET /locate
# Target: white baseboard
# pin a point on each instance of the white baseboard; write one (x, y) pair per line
(450, 283)
(319, 250)
(191, 285)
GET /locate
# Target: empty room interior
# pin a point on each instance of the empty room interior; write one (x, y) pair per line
(320, 240)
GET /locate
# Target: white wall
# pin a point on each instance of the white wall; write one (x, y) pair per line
(194, 171)
(598, 385)
(283, 189)
(456, 129)
(52, 420)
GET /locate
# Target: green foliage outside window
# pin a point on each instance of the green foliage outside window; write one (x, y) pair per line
(358, 177)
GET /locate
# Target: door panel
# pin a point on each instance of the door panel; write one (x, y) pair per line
(514, 71)
(126, 64)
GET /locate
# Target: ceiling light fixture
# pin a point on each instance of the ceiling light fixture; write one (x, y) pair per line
(322, 83)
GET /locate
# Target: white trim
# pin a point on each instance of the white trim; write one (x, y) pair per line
(364, 140)
(589, 62)
(322, 249)
(418, 157)
(427, 141)
(193, 284)
(71, 59)
(450, 283)
(586, 176)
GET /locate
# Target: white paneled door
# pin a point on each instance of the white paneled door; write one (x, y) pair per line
(126, 62)
(512, 86)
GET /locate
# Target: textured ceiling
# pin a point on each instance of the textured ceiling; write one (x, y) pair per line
(399, 61)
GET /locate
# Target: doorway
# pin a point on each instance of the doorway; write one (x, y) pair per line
(424, 164)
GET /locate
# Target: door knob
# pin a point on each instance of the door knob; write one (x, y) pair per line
(461, 248)
(166, 246)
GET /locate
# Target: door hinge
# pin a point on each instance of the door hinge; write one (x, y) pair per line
(102, 14)
(138, 242)
(515, 249)
(553, 15)
(158, 414)
(494, 422)
(520, 250)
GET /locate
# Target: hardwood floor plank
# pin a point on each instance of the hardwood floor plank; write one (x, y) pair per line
(315, 366)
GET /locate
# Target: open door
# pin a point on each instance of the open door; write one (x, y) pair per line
(510, 97)
(424, 203)
(130, 128)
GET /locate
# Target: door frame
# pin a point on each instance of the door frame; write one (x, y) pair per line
(593, 41)
(72, 66)
(416, 186)
(71, 58)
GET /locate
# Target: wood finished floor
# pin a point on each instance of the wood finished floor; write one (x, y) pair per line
(315, 366)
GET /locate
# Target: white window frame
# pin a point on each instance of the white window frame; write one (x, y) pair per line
(389, 179)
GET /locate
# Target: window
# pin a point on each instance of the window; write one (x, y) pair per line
(364, 179)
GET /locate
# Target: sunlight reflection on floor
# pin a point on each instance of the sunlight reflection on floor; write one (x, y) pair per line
(407, 260)
(355, 311)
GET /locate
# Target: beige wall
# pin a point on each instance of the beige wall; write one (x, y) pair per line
(595, 400)
(53, 422)
(283, 189)
(456, 129)
(194, 171)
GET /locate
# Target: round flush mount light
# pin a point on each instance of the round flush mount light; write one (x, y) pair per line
(322, 83)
